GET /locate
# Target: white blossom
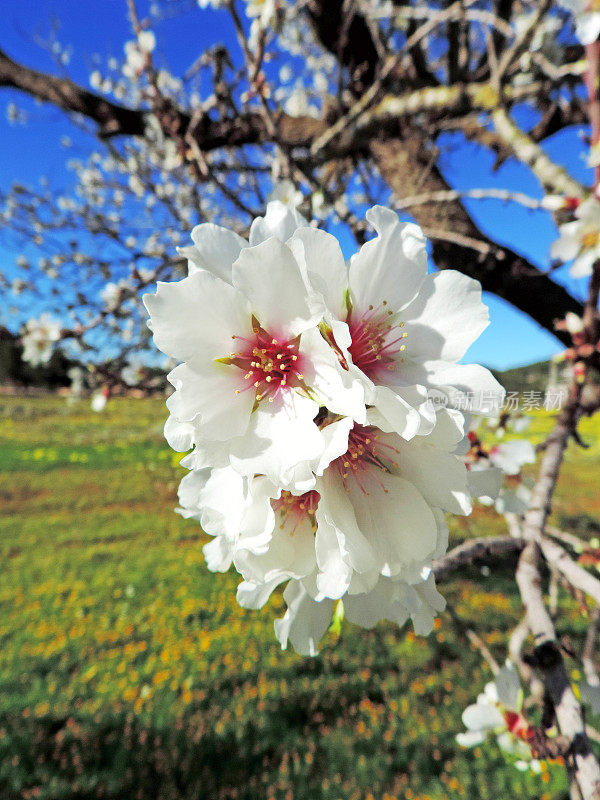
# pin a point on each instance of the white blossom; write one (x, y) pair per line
(98, 403)
(133, 373)
(286, 193)
(498, 711)
(113, 293)
(146, 41)
(580, 240)
(309, 466)
(367, 532)
(39, 338)
(261, 10)
(256, 368)
(400, 330)
(587, 19)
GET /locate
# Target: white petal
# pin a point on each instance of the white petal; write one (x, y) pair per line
(568, 245)
(468, 386)
(206, 394)
(290, 553)
(439, 475)
(510, 456)
(445, 318)
(258, 522)
(218, 497)
(215, 249)
(443, 533)
(320, 254)
(217, 554)
(280, 221)
(336, 509)
(255, 595)
(390, 267)
(482, 717)
(509, 743)
(198, 313)
(470, 738)
(584, 264)
(509, 687)
(333, 578)
(305, 620)
(269, 276)
(280, 436)
(334, 387)
(399, 415)
(207, 453)
(432, 602)
(485, 482)
(368, 609)
(393, 518)
(513, 500)
(335, 437)
(179, 435)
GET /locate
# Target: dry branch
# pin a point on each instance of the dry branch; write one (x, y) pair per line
(474, 550)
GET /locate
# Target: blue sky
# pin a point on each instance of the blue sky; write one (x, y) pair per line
(33, 150)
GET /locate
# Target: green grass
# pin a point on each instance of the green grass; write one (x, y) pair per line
(128, 671)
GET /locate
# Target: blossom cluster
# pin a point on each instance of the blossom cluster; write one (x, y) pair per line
(317, 459)
(498, 710)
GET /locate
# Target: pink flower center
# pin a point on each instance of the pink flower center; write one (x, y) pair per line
(364, 457)
(294, 509)
(376, 340)
(270, 364)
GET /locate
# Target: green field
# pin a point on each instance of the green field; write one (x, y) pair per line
(128, 671)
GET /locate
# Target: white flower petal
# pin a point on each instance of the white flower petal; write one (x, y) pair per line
(199, 312)
(337, 389)
(509, 687)
(217, 498)
(205, 393)
(390, 267)
(470, 738)
(568, 245)
(334, 576)
(215, 249)
(439, 475)
(255, 595)
(321, 256)
(432, 602)
(280, 221)
(484, 481)
(584, 263)
(305, 620)
(280, 436)
(399, 415)
(269, 276)
(468, 386)
(445, 318)
(510, 456)
(218, 554)
(482, 717)
(391, 516)
(179, 435)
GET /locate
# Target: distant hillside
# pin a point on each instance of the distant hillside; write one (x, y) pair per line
(533, 377)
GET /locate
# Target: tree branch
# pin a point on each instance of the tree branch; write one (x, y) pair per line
(557, 684)
(475, 550)
(404, 164)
